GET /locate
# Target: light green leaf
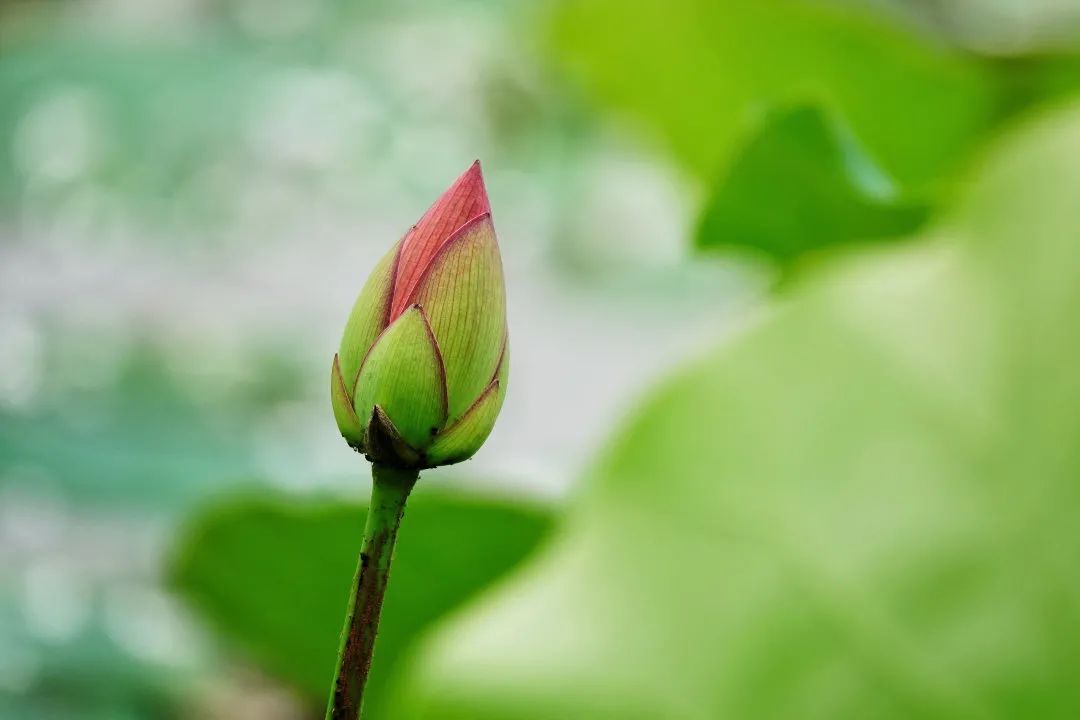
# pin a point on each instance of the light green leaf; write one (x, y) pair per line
(404, 376)
(273, 576)
(863, 508)
(697, 71)
(802, 184)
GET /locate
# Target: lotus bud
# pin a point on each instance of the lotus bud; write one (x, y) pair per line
(421, 372)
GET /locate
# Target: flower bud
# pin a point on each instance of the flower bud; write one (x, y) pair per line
(421, 372)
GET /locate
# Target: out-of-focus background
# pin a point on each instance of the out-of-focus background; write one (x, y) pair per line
(793, 428)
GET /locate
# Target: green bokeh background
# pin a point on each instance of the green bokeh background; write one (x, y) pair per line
(793, 429)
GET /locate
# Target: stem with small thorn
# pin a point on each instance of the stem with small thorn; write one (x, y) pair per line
(389, 491)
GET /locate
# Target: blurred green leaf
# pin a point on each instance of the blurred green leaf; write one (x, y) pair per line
(274, 575)
(865, 508)
(1043, 78)
(697, 72)
(801, 184)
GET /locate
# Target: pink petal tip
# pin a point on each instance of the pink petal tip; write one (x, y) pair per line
(464, 201)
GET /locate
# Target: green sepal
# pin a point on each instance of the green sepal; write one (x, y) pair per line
(347, 421)
(464, 298)
(384, 444)
(461, 440)
(369, 316)
(403, 375)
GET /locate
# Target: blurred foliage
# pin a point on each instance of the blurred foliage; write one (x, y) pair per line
(799, 184)
(713, 81)
(863, 508)
(273, 576)
(698, 71)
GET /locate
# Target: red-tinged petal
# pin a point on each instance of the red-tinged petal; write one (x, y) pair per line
(465, 200)
(465, 302)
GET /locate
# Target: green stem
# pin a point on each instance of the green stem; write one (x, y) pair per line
(389, 490)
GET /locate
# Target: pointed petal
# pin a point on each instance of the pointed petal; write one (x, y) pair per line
(369, 316)
(464, 297)
(466, 199)
(347, 422)
(461, 440)
(403, 374)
